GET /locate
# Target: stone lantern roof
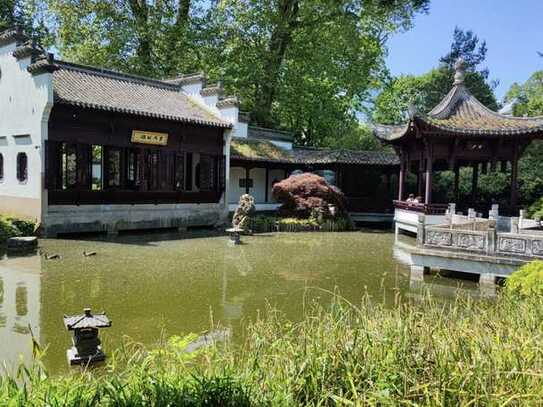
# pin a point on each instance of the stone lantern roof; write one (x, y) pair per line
(87, 320)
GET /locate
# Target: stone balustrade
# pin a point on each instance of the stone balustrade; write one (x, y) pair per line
(492, 236)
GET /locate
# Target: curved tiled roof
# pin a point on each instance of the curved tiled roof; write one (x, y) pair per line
(101, 89)
(266, 151)
(459, 112)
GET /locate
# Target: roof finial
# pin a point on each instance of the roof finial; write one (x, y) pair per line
(459, 70)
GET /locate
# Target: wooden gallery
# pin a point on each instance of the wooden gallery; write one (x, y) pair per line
(84, 149)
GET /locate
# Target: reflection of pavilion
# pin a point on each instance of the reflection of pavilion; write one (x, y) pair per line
(458, 132)
(19, 307)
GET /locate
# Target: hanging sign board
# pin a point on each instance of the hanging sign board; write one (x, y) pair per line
(149, 137)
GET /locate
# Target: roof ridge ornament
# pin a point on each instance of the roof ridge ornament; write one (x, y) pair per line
(459, 71)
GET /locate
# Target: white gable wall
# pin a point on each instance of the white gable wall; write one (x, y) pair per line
(25, 103)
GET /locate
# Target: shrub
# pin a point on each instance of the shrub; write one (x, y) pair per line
(13, 227)
(304, 195)
(535, 211)
(527, 280)
(7, 230)
(26, 227)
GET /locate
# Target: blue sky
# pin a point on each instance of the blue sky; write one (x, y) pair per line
(513, 30)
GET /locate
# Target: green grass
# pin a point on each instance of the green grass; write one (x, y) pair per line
(485, 353)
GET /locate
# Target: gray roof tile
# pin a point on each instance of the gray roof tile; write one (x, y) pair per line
(265, 151)
(107, 90)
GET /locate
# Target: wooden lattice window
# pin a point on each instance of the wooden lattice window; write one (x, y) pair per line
(179, 171)
(113, 167)
(207, 172)
(222, 174)
(69, 166)
(22, 167)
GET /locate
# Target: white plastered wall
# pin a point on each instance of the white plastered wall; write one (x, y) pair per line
(258, 191)
(236, 173)
(25, 103)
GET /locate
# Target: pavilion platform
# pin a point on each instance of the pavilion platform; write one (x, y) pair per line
(492, 247)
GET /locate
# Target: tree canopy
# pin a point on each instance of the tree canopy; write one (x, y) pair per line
(305, 65)
(427, 90)
(527, 98)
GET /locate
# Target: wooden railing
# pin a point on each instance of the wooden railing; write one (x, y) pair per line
(427, 209)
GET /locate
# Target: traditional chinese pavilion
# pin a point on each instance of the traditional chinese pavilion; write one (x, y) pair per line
(459, 132)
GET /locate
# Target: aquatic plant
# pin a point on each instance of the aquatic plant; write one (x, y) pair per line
(436, 354)
(527, 280)
(134, 376)
(264, 224)
(431, 353)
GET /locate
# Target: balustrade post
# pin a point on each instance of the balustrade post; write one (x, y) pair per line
(471, 217)
(514, 225)
(494, 212)
(491, 238)
(420, 230)
(521, 219)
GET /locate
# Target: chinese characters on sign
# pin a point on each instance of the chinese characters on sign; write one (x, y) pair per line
(149, 137)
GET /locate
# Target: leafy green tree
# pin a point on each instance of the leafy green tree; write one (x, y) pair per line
(528, 97)
(27, 14)
(466, 45)
(425, 92)
(300, 64)
(528, 101)
(137, 36)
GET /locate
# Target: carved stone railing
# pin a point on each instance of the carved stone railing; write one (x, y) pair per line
(457, 239)
(473, 234)
(520, 244)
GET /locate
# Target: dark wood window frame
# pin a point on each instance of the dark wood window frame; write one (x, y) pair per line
(172, 176)
(1, 167)
(22, 167)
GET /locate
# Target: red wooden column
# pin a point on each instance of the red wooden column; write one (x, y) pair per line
(428, 192)
(401, 179)
(456, 183)
(474, 182)
(420, 175)
(514, 178)
(429, 165)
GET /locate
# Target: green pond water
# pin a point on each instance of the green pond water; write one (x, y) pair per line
(149, 284)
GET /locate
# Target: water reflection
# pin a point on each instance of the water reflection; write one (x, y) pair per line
(19, 307)
(154, 283)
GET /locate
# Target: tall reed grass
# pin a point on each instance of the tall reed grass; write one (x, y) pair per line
(432, 353)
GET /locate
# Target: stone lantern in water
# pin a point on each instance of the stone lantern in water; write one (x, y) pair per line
(86, 343)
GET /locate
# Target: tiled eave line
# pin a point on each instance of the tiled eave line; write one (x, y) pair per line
(144, 114)
(311, 162)
(12, 35)
(28, 50)
(42, 66)
(453, 130)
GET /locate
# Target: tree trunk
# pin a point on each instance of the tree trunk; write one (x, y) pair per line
(281, 37)
(183, 10)
(140, 11)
